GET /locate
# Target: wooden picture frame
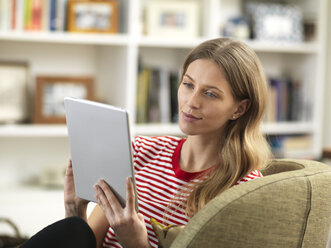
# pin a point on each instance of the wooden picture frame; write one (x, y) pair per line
(98, 16)
(14, 77)
(50, 93)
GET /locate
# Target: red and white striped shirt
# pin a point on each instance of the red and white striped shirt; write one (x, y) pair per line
(158, 179)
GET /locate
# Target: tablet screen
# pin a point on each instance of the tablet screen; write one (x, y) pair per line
(100, 146)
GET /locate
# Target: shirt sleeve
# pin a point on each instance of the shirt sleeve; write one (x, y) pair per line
(251, 176)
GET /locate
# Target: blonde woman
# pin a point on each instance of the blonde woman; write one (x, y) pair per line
(221, 100)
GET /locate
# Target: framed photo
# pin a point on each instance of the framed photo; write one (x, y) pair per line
(50, 93)
(13, 91)
(172, 18)
(278, 22)
(99, 16)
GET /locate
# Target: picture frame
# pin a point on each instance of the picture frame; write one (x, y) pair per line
(277, 22)
(51, 91)
(172, 19)
(14, 77)
(98, 16)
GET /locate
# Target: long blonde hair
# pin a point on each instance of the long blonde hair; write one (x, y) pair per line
(243, 147)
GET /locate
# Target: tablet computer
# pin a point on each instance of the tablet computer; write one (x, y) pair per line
(100, 146)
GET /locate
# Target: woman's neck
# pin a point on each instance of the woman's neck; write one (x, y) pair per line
(199, 153)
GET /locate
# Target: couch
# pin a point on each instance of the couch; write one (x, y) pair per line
(289, 207)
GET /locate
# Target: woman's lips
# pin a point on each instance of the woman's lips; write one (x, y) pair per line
(190, 118)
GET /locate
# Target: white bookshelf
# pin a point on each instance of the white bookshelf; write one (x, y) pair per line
(113, 60)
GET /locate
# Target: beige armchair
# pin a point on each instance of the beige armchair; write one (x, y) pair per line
(289, 207)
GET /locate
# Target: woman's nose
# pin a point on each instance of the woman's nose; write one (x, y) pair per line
(194, 100)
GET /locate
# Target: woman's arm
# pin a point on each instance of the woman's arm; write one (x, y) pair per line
(99, 224)
(74, 206)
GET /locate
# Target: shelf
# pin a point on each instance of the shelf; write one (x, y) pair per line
(164, 42)
(283, 47)
(66, 38)
(287, 128)
(55, 130)
(147, 41)
(258, 46)
(156, 129)
(33, 130)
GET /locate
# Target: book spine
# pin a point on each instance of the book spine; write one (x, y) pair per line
(45, 15)
(5, 15)
(19, 15)
(153, 97)
(52, 16)
(13, 14)
(174, 83)
(36, 15)
(164, 96)
(27, 15)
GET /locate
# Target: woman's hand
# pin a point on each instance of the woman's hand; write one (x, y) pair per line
(128, 225)
(74, 206)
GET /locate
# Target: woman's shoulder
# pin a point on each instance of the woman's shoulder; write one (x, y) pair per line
(250, 176)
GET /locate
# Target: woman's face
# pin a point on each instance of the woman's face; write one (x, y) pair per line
(205, 100)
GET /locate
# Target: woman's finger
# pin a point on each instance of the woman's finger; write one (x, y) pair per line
(69, 168)
(111, 198)
(103, 201)
(130, 196)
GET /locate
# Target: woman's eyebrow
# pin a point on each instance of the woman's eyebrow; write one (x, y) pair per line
(191, 78)
(207, 86)
(214, 88)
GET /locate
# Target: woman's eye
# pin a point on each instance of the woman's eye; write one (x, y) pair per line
(210, 94)
(188, 85)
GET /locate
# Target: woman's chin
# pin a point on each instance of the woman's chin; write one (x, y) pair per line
(187, 130)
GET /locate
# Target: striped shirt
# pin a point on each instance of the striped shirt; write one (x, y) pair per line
(158, 179)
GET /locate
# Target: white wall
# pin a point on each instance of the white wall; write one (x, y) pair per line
(327, 91)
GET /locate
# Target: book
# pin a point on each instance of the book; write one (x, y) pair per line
(13, 14)
(289, 145)
(142, 93)
(271, 109)
(296, 142)
(52, 15)
(153, 97)
(174, 83)
(156, 99)
(27, 15)
(36, 15)
(60, 15)
(165, 97)
(284, 100)
(45, 15)
(5, 15)
(19, 23)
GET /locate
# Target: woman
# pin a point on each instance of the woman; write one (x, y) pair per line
(221, 100)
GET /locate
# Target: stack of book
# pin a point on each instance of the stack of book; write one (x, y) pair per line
(157, 96)
(286, 101)
(289, 145)
(33, 15)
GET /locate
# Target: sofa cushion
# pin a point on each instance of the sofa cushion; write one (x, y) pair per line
(289, 209)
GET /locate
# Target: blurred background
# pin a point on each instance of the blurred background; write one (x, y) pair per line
(129, 53)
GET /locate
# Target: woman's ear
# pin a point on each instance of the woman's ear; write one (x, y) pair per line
(242, 107)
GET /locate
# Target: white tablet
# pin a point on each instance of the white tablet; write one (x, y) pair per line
(100, 146)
